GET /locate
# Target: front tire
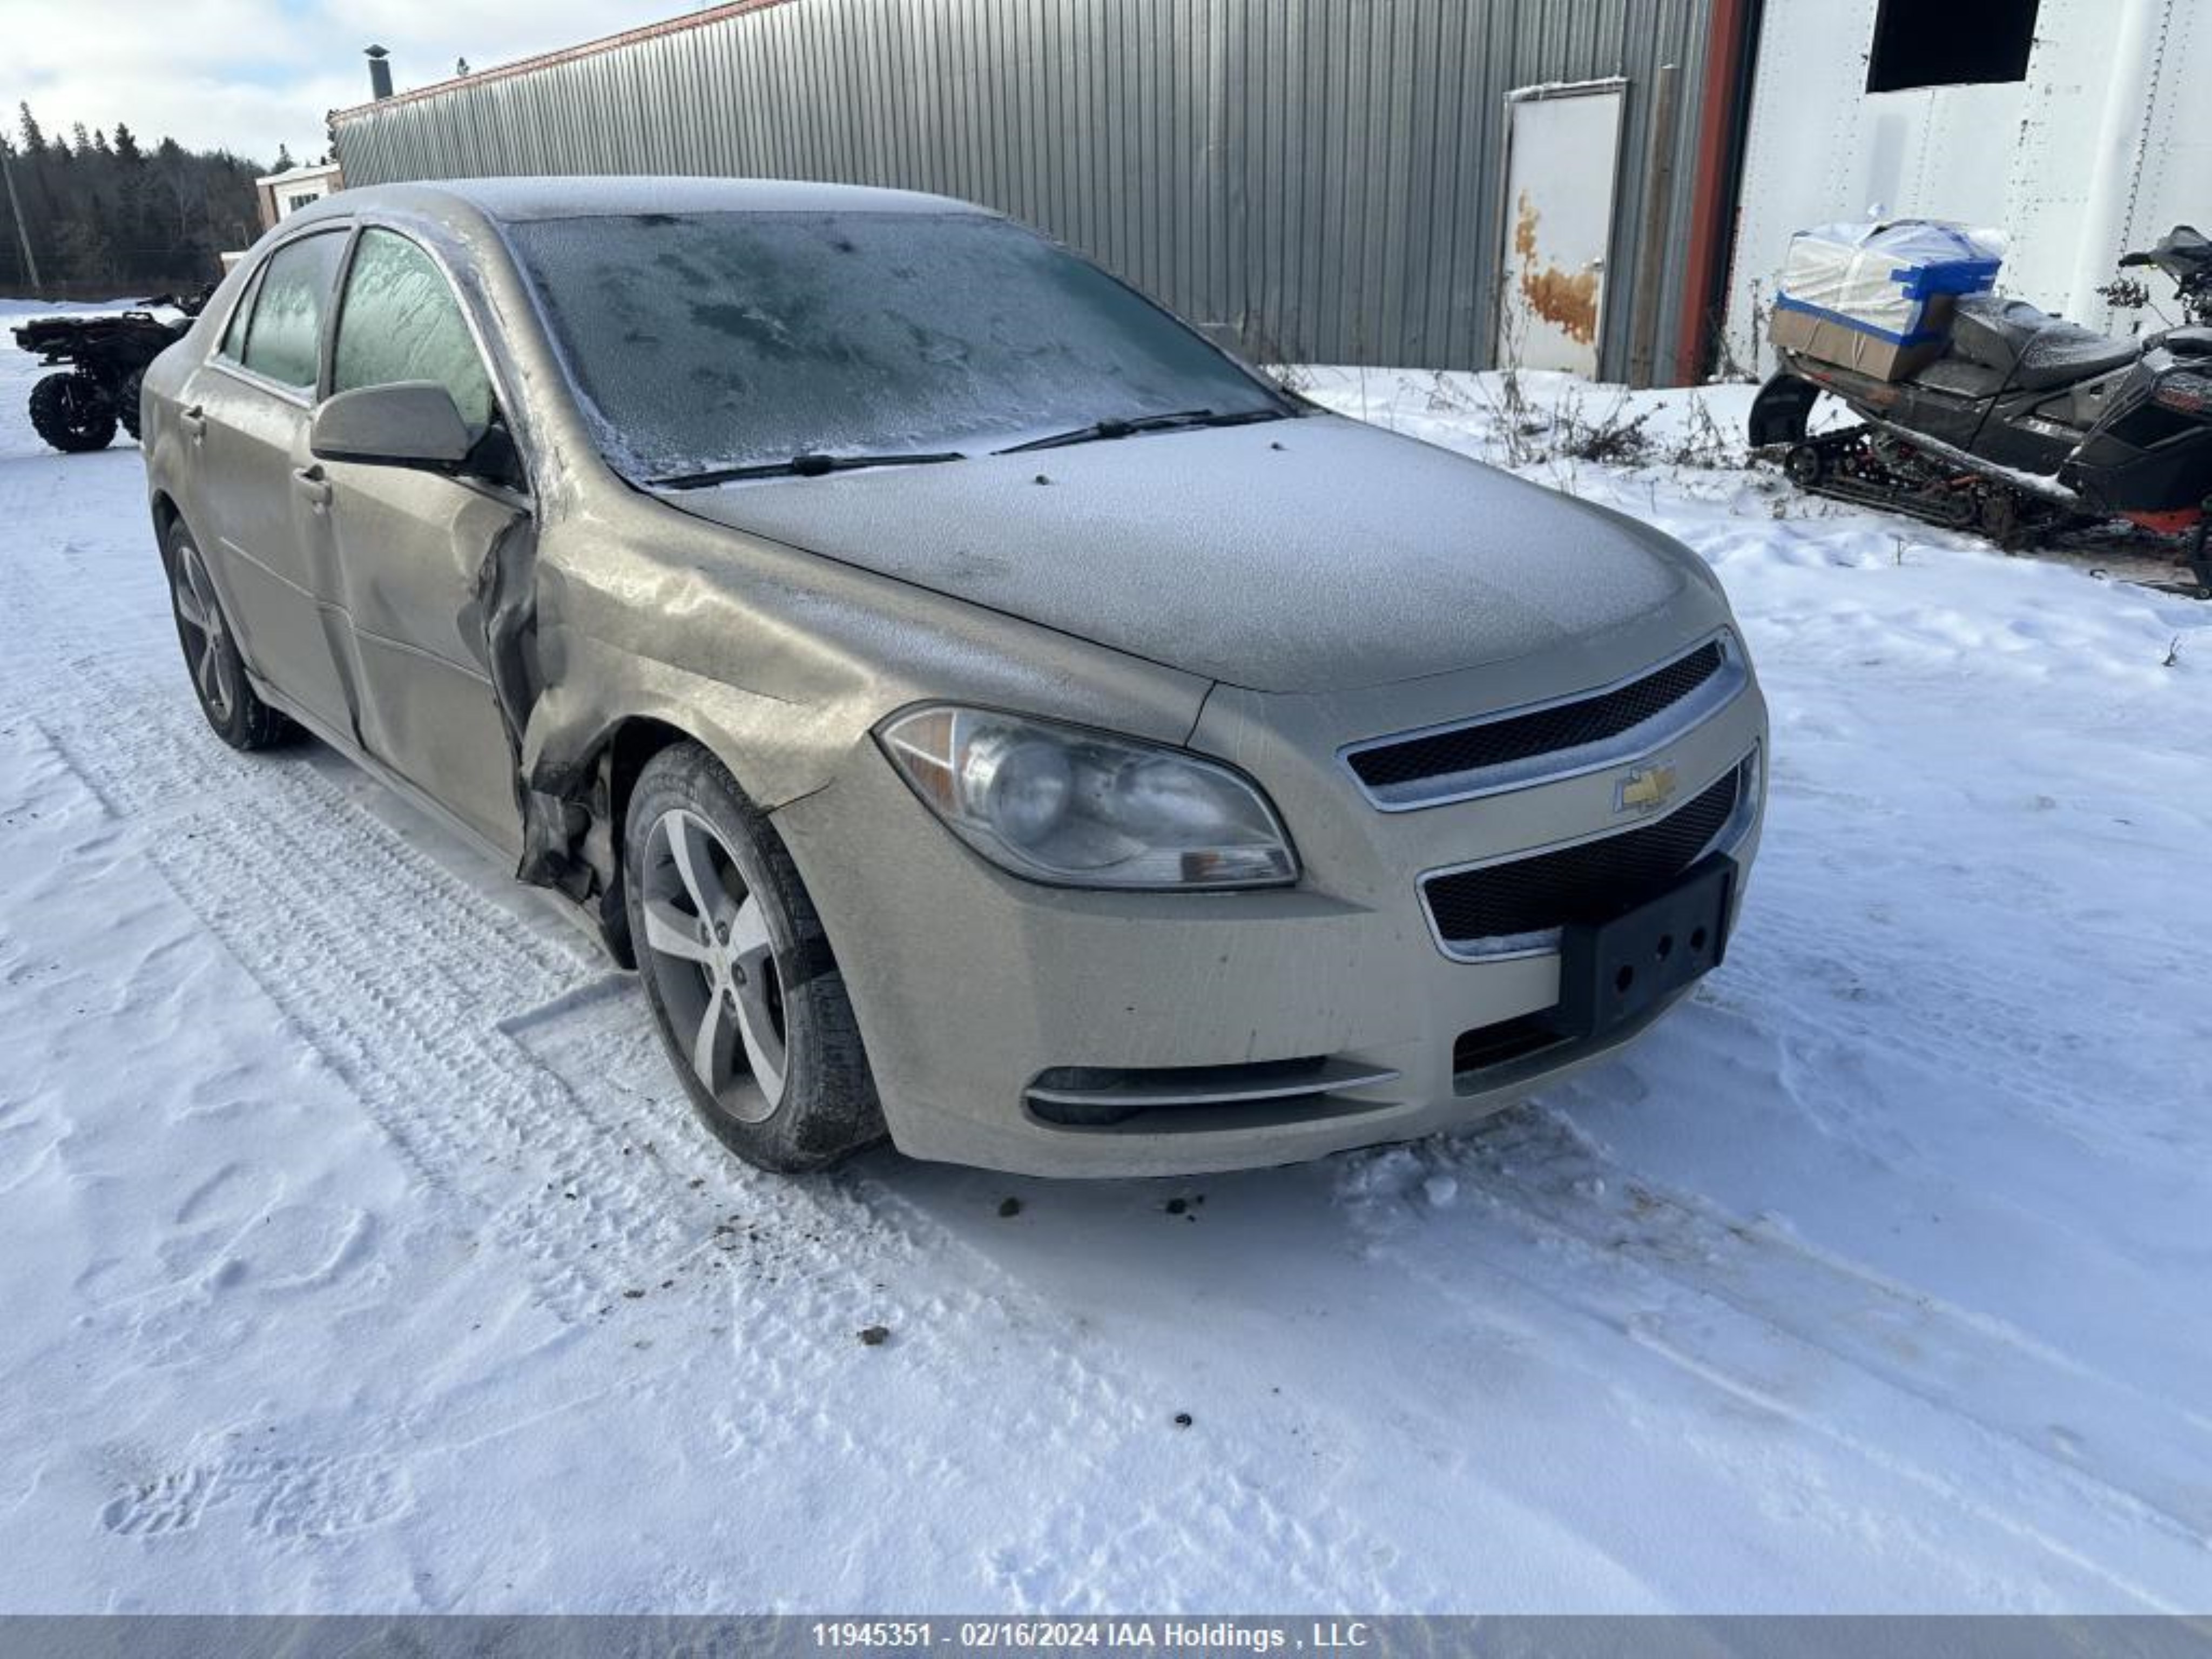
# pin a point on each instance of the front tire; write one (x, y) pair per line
(72, 413)
(239, 717)
(746, 996)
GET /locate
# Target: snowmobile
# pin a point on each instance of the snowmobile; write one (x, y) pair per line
(80, 408)
(2025, 425)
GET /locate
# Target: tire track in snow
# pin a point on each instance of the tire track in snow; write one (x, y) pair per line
(818, 1258)
(426, 1000)
(1843, 1353)
(397, 984)
(1218, 1524)
(1882, 993)
(391, 969)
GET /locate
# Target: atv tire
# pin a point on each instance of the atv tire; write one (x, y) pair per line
(72, 413)
(126, 406)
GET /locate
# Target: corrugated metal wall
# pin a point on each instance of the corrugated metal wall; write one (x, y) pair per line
(1321, 178)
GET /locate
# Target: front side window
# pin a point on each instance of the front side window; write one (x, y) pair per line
(400, 321)
(720, 340)
(284, 337)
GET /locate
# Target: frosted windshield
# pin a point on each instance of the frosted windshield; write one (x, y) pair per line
(722, 340)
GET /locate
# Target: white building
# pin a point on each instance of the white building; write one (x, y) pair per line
(2061, 123)
(286, 192)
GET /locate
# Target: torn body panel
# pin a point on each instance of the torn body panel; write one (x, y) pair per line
(779, 662)
(417, 641)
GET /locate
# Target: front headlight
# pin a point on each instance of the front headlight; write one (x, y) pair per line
(1059, 803)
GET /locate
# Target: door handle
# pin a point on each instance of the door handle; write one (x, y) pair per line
(313, 485)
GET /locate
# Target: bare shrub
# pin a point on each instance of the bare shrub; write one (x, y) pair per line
(1616, 437)
(1705, 442)
(1515, 422)
(1444, 398)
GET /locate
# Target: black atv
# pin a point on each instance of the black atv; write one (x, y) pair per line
(80, 408)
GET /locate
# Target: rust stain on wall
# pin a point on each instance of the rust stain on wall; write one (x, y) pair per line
(1567, 301)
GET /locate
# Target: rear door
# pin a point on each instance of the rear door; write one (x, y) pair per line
(248, 406)
(410, 547)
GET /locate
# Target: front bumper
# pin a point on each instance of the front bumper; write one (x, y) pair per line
(977, 992)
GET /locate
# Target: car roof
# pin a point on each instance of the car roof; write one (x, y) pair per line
(515, 200)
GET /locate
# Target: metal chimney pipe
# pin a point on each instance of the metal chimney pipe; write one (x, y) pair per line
(379, 72)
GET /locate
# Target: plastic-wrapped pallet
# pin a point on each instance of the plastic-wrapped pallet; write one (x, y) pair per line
(1877, 298)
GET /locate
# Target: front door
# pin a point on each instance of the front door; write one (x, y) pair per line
(410, 547)
(1562, 158)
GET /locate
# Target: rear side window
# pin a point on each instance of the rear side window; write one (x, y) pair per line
(233, 334)
(282, 340)
(400, 321)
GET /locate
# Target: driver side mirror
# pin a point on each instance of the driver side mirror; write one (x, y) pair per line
(410, 423)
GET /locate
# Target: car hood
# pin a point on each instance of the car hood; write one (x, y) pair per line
(1316, 555)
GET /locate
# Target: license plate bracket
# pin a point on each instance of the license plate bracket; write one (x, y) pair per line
(1613, 971)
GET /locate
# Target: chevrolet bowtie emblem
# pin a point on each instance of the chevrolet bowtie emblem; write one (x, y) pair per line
(1645, 789)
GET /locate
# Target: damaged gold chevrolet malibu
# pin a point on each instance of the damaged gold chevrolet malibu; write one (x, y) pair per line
(988, 714)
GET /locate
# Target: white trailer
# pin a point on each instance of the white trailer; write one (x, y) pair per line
(2062, 123)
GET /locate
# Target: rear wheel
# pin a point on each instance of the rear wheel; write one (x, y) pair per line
(126, 403)
(748, 1000)
(72, 413)
(240, 718)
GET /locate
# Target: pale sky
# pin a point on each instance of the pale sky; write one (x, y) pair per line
(245, 75)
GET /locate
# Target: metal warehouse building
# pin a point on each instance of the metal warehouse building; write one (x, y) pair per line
(1593, 184)
(1326, 180)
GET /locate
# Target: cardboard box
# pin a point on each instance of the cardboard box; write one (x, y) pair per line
(1836, 343)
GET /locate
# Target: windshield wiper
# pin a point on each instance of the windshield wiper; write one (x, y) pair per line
(800, 466)
(1130, 425)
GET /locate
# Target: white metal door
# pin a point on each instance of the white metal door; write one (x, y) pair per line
(1563, 155)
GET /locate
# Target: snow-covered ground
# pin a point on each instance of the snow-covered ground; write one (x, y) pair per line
(360, 1254)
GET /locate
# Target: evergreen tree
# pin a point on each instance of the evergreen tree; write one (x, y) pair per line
(107, 219)
(284, 161)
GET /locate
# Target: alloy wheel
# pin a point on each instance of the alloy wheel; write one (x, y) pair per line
(205, 639)
(713, 965)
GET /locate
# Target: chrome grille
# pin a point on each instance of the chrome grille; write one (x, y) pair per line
(1516, 749)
